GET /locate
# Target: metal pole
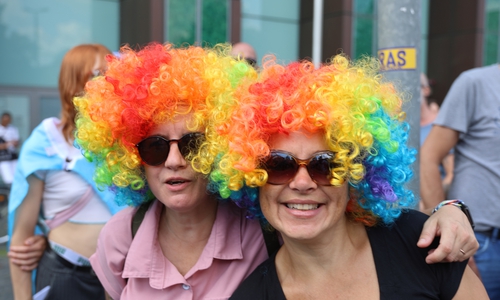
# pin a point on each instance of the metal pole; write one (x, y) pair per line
(228, 21)
(399, 52)
(199, 22)
(317, 32)
(165, 22)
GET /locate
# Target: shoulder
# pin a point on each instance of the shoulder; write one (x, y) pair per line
(480, 71)
(119, 221)
(12, 129)
(395, 251)
(411, 219)
(405, 230)
(477, 75)
(114, 240)
(38, 141)
(117, 232)
(112, 248)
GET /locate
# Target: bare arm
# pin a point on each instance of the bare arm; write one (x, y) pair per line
(437, 145)
(448, 165)
(26, 218)
(27, 255)
(470, 287)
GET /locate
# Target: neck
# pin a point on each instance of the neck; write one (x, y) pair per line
(305, 259)
(192, 226)
(184, 235)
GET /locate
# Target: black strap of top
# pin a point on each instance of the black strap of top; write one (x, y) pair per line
(270, 235)
(139, 216)
(270, 238)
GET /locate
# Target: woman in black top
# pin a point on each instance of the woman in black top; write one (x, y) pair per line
(327, 149)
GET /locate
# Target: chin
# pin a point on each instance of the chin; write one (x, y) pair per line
(300, 232)
(178, 202)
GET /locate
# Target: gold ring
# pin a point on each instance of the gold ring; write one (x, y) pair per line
(463, 252)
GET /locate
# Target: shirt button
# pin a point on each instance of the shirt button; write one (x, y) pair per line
(186, 287)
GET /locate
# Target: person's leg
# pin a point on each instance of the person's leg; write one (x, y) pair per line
(487, 259)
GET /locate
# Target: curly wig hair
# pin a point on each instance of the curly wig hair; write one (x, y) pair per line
(359, 114)
(140, 90)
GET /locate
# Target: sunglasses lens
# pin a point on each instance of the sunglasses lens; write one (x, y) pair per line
(319, 168)
(154, 150)
(280, 168)
(190, 143)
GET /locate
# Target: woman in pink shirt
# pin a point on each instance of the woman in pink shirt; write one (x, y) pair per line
(140, 124)
(143, 124)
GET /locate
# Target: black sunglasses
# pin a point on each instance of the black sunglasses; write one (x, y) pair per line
(154, 150)
(281, 167)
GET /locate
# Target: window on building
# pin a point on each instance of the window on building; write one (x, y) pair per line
(196, 21)
(34, 37)
(364, 29)
(491, 52)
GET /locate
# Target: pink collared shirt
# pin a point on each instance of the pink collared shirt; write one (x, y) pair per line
(137, 269)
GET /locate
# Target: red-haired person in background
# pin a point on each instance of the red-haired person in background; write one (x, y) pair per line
(53, 178)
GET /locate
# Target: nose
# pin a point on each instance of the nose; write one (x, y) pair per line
(302, 181)
(175, 160)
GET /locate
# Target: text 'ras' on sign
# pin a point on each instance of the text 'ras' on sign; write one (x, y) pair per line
(398, 58)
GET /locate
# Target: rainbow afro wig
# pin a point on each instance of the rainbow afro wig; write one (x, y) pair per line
(359, 114)
(145, 88)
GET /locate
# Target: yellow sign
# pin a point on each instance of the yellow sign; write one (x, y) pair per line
(398, 58)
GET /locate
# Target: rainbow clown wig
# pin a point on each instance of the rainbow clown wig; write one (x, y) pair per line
(140, 90)
(359, 114)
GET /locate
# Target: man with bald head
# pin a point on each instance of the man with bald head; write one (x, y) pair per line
(246, 52)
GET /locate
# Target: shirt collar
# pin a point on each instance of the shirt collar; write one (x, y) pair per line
(145, 258)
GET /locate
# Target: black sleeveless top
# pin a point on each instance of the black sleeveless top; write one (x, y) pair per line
(401, 268)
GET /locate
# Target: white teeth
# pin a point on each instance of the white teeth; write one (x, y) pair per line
(302, 206)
